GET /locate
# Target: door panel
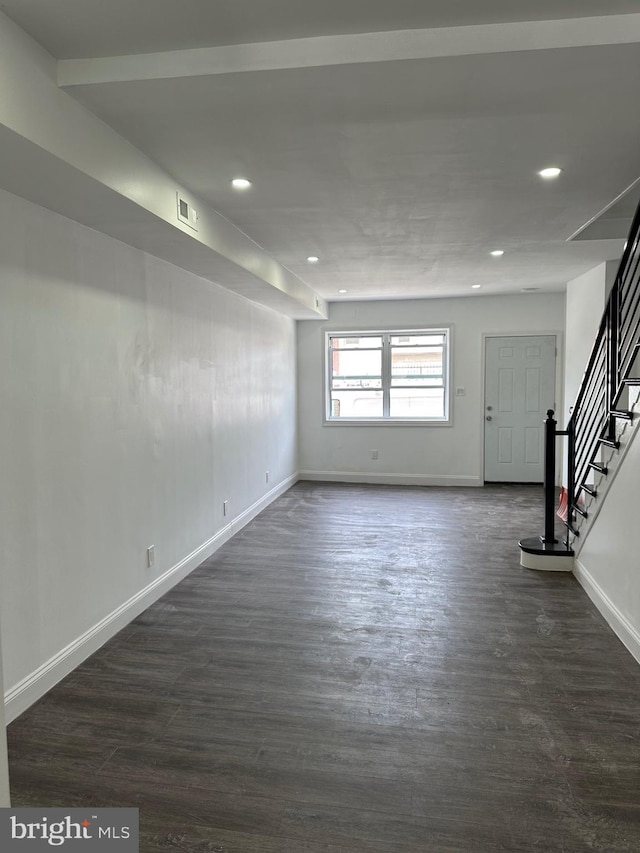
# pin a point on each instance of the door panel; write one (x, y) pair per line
(520, 375)
(505, 390)
(505, 444)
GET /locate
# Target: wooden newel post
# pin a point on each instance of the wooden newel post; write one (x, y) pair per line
(549, 477)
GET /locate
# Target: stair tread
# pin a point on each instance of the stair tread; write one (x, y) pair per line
(602, 469)
(589, 490)
(609, 443)
(570, 527)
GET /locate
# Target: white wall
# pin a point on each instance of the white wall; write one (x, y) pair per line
(608, 564)
(5, 799)
(428, 454)
(608, 561)
(586, 297)
(135, 399)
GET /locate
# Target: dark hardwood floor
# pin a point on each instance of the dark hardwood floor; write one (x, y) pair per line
(362, 668)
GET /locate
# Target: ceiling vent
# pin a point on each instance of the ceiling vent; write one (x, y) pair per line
(186, 213)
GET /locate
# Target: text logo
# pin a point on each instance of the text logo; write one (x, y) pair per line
(104, 830)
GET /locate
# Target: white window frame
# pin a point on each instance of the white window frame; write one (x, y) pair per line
(387, 334)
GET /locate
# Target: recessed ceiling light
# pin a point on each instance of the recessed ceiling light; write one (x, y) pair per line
(312, 259)
(342, 291)
(529, 289)
(476, 286)
(497, 253)
(240, 184)
(550, 172)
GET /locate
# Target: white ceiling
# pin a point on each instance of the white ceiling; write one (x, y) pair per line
(399, 160)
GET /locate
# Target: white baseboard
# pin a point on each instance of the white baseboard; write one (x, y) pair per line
(19, 697)
(619, 623)
(389, 479)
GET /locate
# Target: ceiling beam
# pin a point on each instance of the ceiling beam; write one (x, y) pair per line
(353, 49)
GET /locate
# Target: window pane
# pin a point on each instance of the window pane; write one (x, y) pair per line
(417, 403)
(356, 342)
(417, 340)
(356, 369)
(356, 404)
(421, 366)
(388, 376)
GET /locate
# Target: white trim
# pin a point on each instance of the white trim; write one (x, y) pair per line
(386, 422)
(23, 694)
(546, 562)
(617, 621)
(390, 479)
(385, 375)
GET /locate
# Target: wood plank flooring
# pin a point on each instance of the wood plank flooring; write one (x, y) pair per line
(363, 669)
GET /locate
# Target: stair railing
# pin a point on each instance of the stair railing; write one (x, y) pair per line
(611, 368)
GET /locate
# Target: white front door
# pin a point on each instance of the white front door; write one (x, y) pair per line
(520, 381)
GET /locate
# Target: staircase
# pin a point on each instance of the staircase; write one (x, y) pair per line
(603, 417)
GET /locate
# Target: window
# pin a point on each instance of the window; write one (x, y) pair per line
(387, 376)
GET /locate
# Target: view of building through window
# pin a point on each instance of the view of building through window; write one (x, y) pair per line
(391, 375)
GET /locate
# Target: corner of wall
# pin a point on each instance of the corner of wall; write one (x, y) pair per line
(22, 695)
(626, 632)
(611, 271)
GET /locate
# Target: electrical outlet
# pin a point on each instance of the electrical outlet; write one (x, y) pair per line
(374, 454)
(151, 555)
(225, 507)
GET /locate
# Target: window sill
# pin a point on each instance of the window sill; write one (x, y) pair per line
(388, 422)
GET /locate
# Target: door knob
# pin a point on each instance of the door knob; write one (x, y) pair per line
(489, 418)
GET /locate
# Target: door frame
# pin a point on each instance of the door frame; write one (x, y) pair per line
(559, 392)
